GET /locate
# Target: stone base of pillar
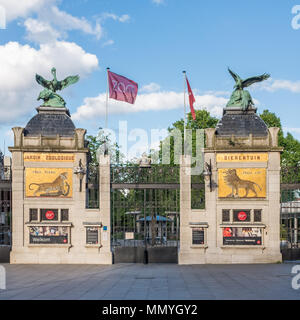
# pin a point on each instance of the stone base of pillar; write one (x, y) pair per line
(258, 256)
(60, 257)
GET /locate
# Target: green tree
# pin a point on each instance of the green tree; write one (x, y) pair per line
(290, 157)
(271, 120)
(96, 145)
(203, 120)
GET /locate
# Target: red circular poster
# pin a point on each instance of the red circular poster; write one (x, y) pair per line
(50, 215)
(242, 216)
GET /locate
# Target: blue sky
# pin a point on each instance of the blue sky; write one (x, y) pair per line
(150, 42)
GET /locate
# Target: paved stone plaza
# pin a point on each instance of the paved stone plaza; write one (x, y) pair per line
(153, 281)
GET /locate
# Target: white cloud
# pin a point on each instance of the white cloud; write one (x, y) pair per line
(217, 93)
(156, 101)
(108, 43)
(19, 63)
(151, 87)
(272, 85)
(122, 18)
(53, 24)
(40, 31)
(22, 8)
(69, 22)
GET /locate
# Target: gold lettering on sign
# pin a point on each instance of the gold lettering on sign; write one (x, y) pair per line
(242, 157)
(48, 157)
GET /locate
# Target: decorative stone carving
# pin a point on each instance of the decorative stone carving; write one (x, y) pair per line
(210, 137)
(18, 131)
(80, 137)
(274, 136)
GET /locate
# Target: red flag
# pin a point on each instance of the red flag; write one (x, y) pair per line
(192, 99)
(121, 88)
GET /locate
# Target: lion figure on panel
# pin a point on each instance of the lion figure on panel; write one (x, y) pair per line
(55, 188)
(233, 181)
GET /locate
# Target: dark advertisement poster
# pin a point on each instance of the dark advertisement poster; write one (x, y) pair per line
(242, 236)
(51, 235)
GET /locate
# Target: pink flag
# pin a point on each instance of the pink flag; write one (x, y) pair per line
(121, 88)
(192, 99)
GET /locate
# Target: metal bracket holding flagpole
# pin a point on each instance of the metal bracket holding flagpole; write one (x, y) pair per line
(106, 112)
(184, 108)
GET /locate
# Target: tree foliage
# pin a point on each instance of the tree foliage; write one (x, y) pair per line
(97, 145)
(291, 147)
(203, 120)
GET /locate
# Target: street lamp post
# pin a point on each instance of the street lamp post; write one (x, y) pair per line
(80, 172)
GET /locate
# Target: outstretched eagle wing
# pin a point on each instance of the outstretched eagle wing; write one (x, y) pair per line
(68, 81)
(249, 81)
(43, 82)
(234, 75)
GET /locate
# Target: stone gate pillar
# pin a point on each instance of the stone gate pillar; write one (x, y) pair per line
(104, 188)
(185, 205)
(51, 220)
(241, 219)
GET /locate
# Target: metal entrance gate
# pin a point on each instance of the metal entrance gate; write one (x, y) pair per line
(290, 213)
(145, 214)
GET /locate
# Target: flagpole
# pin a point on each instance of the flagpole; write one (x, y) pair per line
(184, 107)
(106, 109)
(106, 104)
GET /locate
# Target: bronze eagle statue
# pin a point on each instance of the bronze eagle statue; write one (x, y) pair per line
(49, 95)
(241, 97)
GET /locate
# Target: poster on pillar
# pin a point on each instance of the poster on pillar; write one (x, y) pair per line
(242, 236)
(48, 182)
(242, 183)
(49, 234)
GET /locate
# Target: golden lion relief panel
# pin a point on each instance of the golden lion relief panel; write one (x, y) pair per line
(242, 183)
(48, 182)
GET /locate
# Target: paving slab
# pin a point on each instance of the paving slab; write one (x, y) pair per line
(152, 282)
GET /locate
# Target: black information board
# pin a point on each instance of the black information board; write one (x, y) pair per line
(198, 235)
(92, 235)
